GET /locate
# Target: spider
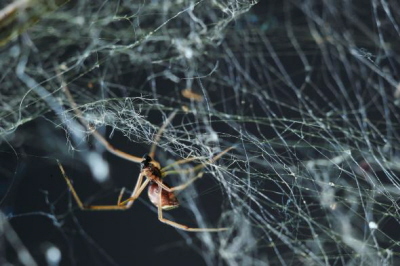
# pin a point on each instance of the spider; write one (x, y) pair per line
(151, 175)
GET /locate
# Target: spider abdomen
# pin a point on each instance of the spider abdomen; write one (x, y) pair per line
(168, 199)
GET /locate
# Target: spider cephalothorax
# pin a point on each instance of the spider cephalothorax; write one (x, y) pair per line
(146, 161)
(150, 168)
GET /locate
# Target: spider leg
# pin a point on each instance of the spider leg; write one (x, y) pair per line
(159, 133)
(190, 170)
(180, 187)
(193, 169)
(120, 196)
(135, 190)
(96, 134)
(129, 201)
(182, 161)
(182, 226)
(122, 206)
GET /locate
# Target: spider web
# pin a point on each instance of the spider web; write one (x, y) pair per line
(306, 92)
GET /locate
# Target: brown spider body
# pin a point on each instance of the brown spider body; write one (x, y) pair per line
(152, 172)
(168, 199)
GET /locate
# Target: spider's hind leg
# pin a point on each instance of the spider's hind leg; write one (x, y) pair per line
(182, 226)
